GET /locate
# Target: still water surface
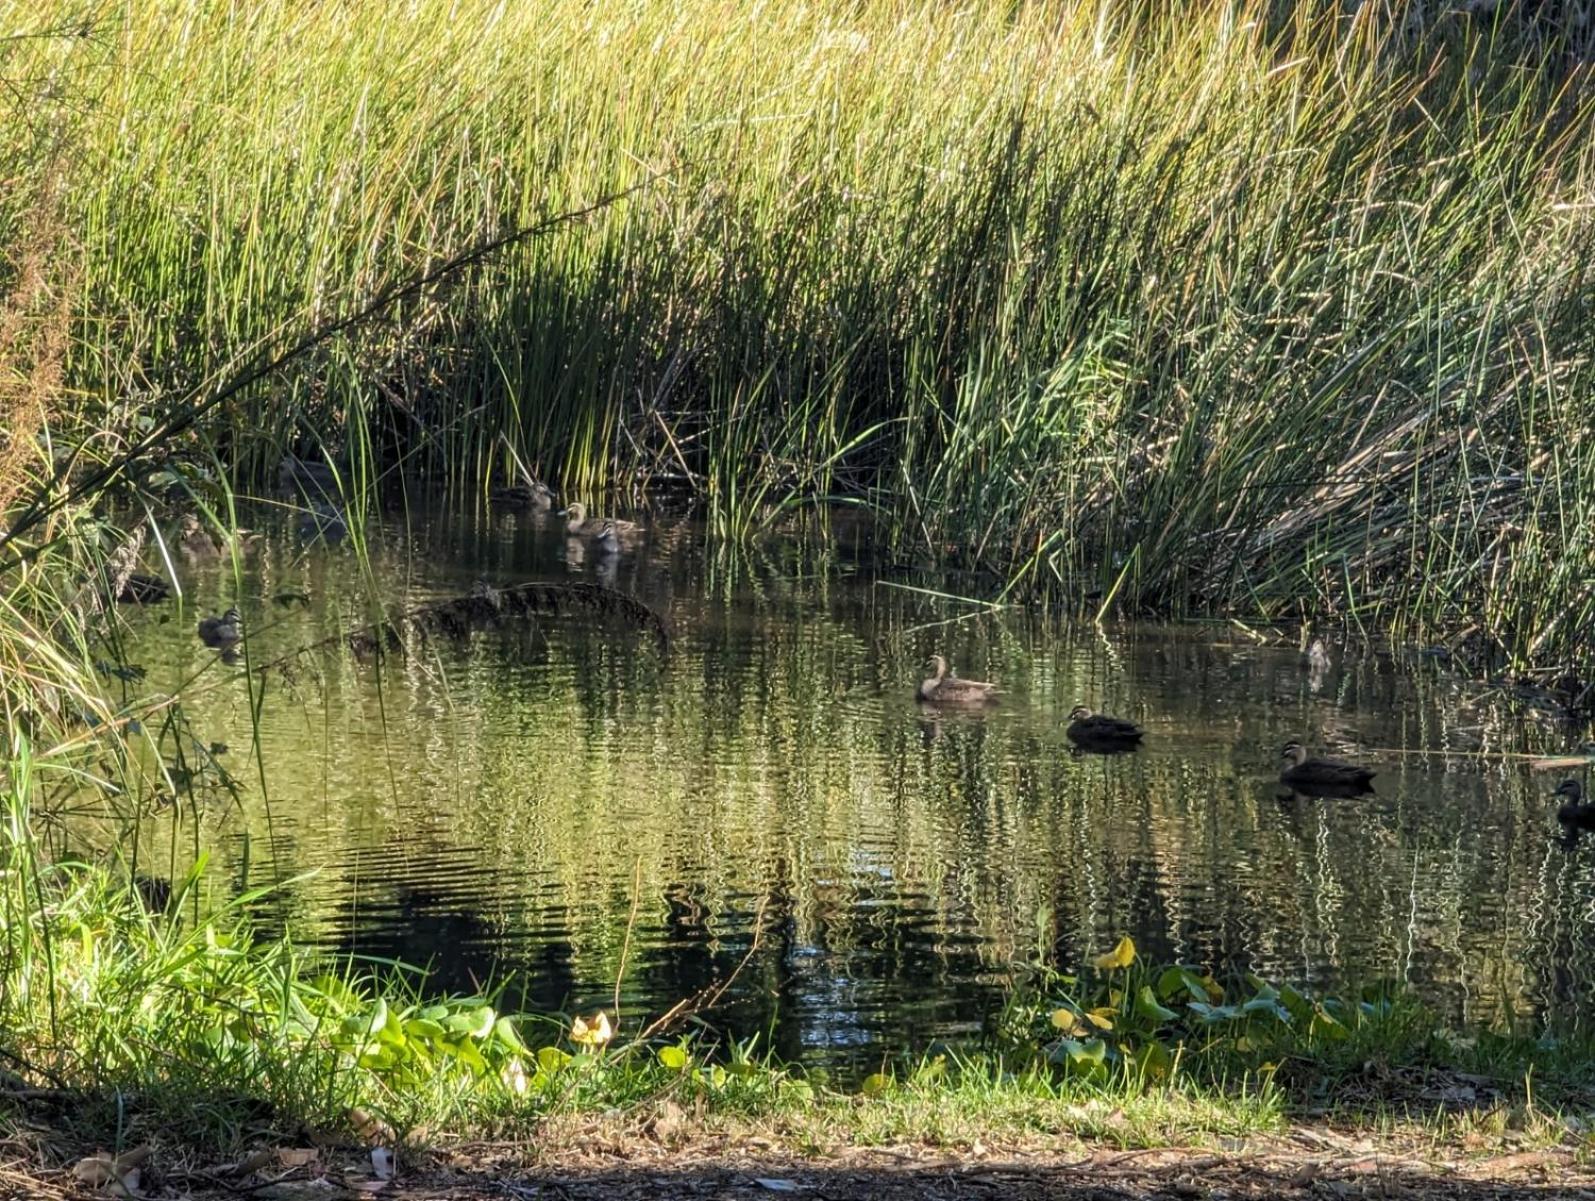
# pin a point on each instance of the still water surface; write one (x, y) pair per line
(508, 806)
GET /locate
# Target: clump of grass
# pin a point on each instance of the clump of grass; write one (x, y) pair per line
(1194, 307)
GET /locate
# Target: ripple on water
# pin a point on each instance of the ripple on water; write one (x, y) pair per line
(550, 804)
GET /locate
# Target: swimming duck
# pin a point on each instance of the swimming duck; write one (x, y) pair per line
(608, 540)
(221, 633)
(1098, 729)
(323, 521)
(1299, 770)
(532, 495)
(194, 540)
(944, 688)
(296, 473)
(579, 525)
(1574, 812)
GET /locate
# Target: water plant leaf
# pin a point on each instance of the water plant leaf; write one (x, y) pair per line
(875, 1084)
(931, 1070)
(1152, 1060)
(1214, 1014)
(674, 1058)
(1122, 956)
(1083, 1055)
(551, 1059)
(1326, 1025)
(1148, 1009)
(505, 1034)
(1270, 1005)
(1101, 1018)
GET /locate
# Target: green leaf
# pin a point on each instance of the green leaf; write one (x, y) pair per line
(505, 1034)
(1262, 1004)
(1325, 1025)
(1176, 980)
(930, 1071)
(423, 1028)
(552, 1059)
(1299, 1006)
(1214, 1014)
(876, 1084)
(798, 1090)
(1148, 1009)
(1153, 1061)
(674, 1058)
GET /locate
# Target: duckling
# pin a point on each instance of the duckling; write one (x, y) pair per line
(1574, 813)
(944, 688)
(221, 633)
(1300, 771)
(531, 495)
(1098, 730)
(194, 540)
(579, 525)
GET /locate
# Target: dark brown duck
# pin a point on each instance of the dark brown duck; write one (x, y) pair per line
(1332, 773)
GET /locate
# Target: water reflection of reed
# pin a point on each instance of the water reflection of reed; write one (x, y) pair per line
(487, 808)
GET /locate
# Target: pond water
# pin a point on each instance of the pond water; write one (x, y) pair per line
(556, 801)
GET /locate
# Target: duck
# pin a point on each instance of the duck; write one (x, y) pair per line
(579, 525)
(1300, 771)
(296, 474)
(944, 688)
(1098, 729)
(533, 494)
(323, 521)
(1574, 813)
(194, 540)
(221, 633)
(608, 540)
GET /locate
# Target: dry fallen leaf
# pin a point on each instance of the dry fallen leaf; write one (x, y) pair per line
(120, 1173)
(297, 1157)
(249, 1164)
(94, 1170)
(373, 1129)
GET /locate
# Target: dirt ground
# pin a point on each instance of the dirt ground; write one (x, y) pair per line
(1304, 1164)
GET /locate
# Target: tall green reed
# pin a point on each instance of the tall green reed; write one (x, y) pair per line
(1239, 307)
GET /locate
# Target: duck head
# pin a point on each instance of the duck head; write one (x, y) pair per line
(575, 514)
(1293, 753)
(1079, 713)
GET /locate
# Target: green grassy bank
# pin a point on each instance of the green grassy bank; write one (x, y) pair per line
(1247, 307)
(126, 1020)
(1238, 308)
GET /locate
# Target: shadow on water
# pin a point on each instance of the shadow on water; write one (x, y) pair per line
(543, 803)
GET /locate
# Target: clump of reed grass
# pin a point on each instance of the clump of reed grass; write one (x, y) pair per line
(1192, 307)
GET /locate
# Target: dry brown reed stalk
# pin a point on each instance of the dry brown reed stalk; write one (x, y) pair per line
(35, 317)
